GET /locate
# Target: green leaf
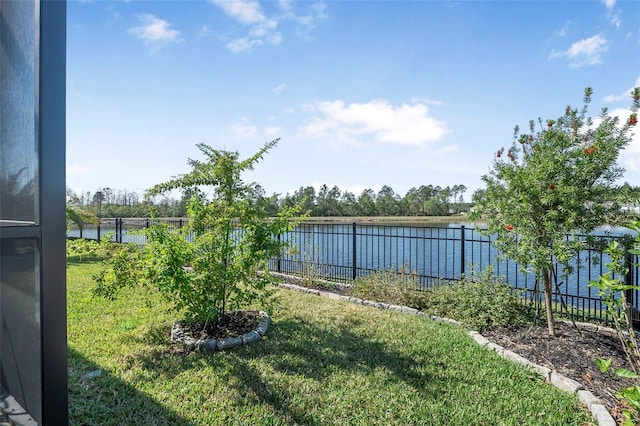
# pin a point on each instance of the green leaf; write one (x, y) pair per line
(623, 372)
(631, 395)
(603, 364)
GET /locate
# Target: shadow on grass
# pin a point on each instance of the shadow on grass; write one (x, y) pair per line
(98, 398)
(294, 347)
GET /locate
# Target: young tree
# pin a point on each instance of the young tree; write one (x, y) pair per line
(233, 239)
(551, 184)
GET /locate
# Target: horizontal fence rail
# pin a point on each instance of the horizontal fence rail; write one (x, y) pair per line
(345, 251)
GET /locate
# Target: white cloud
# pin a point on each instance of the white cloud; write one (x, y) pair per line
(263, 29)
(241, 131)
(613, 15)
(205, 31)
(624, 96)
(376, 121)
(609, 4)
(279, 88)
(315, 13)
(584, 52)
(155, 32)
(243, 44)
(246, 12)
(568, 26)
(249, 13)
(272, 130)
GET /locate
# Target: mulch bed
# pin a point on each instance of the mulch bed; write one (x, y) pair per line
(232, 324)
(572, 353)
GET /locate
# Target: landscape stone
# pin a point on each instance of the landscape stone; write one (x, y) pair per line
(499, 349)
(207, 344)
(408, 310)
(229, 342)
(565, 383)
(518, 359)
(480, 339)
(587, 398)
(263, 326)
(395, 308)
(543, 371)
(330, 295)
(251, 336)
(602, 416)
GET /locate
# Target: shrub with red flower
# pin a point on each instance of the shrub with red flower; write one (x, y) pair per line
(590, 150)
(585, 169)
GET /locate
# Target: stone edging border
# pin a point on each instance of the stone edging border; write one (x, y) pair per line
(598, 411)
(177, 335)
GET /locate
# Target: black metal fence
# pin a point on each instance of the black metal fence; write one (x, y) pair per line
(345, 251)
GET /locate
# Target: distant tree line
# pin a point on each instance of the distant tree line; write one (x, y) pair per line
(426, 200)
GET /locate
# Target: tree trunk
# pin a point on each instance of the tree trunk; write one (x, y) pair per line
(548, 294)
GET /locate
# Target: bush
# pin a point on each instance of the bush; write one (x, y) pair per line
(232, 241)
(400, 287)
(80, 249)
(480, 301)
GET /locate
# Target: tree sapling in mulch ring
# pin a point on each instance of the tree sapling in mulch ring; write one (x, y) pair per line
(238, 328)
(227, 244)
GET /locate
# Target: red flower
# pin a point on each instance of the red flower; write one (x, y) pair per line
(590, 150)
(499, 154)
(509, 228)
(549, 124)
(633, 119)
(531, 138)
(552, 187)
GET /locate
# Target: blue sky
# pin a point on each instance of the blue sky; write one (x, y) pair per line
(362, 93)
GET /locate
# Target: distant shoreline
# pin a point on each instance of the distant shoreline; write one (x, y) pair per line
(390, 220)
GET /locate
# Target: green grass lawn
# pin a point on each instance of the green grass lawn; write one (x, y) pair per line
(323, 362)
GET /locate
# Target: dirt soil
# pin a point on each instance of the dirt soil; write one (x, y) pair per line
(233, 324)
(572, 353)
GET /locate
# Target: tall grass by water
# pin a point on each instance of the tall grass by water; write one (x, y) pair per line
(323, 362)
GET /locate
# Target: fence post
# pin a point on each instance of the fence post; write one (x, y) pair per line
(118, 230)
(98, 229)
(354, 258)
(278, 264)
(462, 253)
(632, 313)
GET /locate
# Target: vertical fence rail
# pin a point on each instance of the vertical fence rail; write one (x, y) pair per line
(354, 252)
(463, 259)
